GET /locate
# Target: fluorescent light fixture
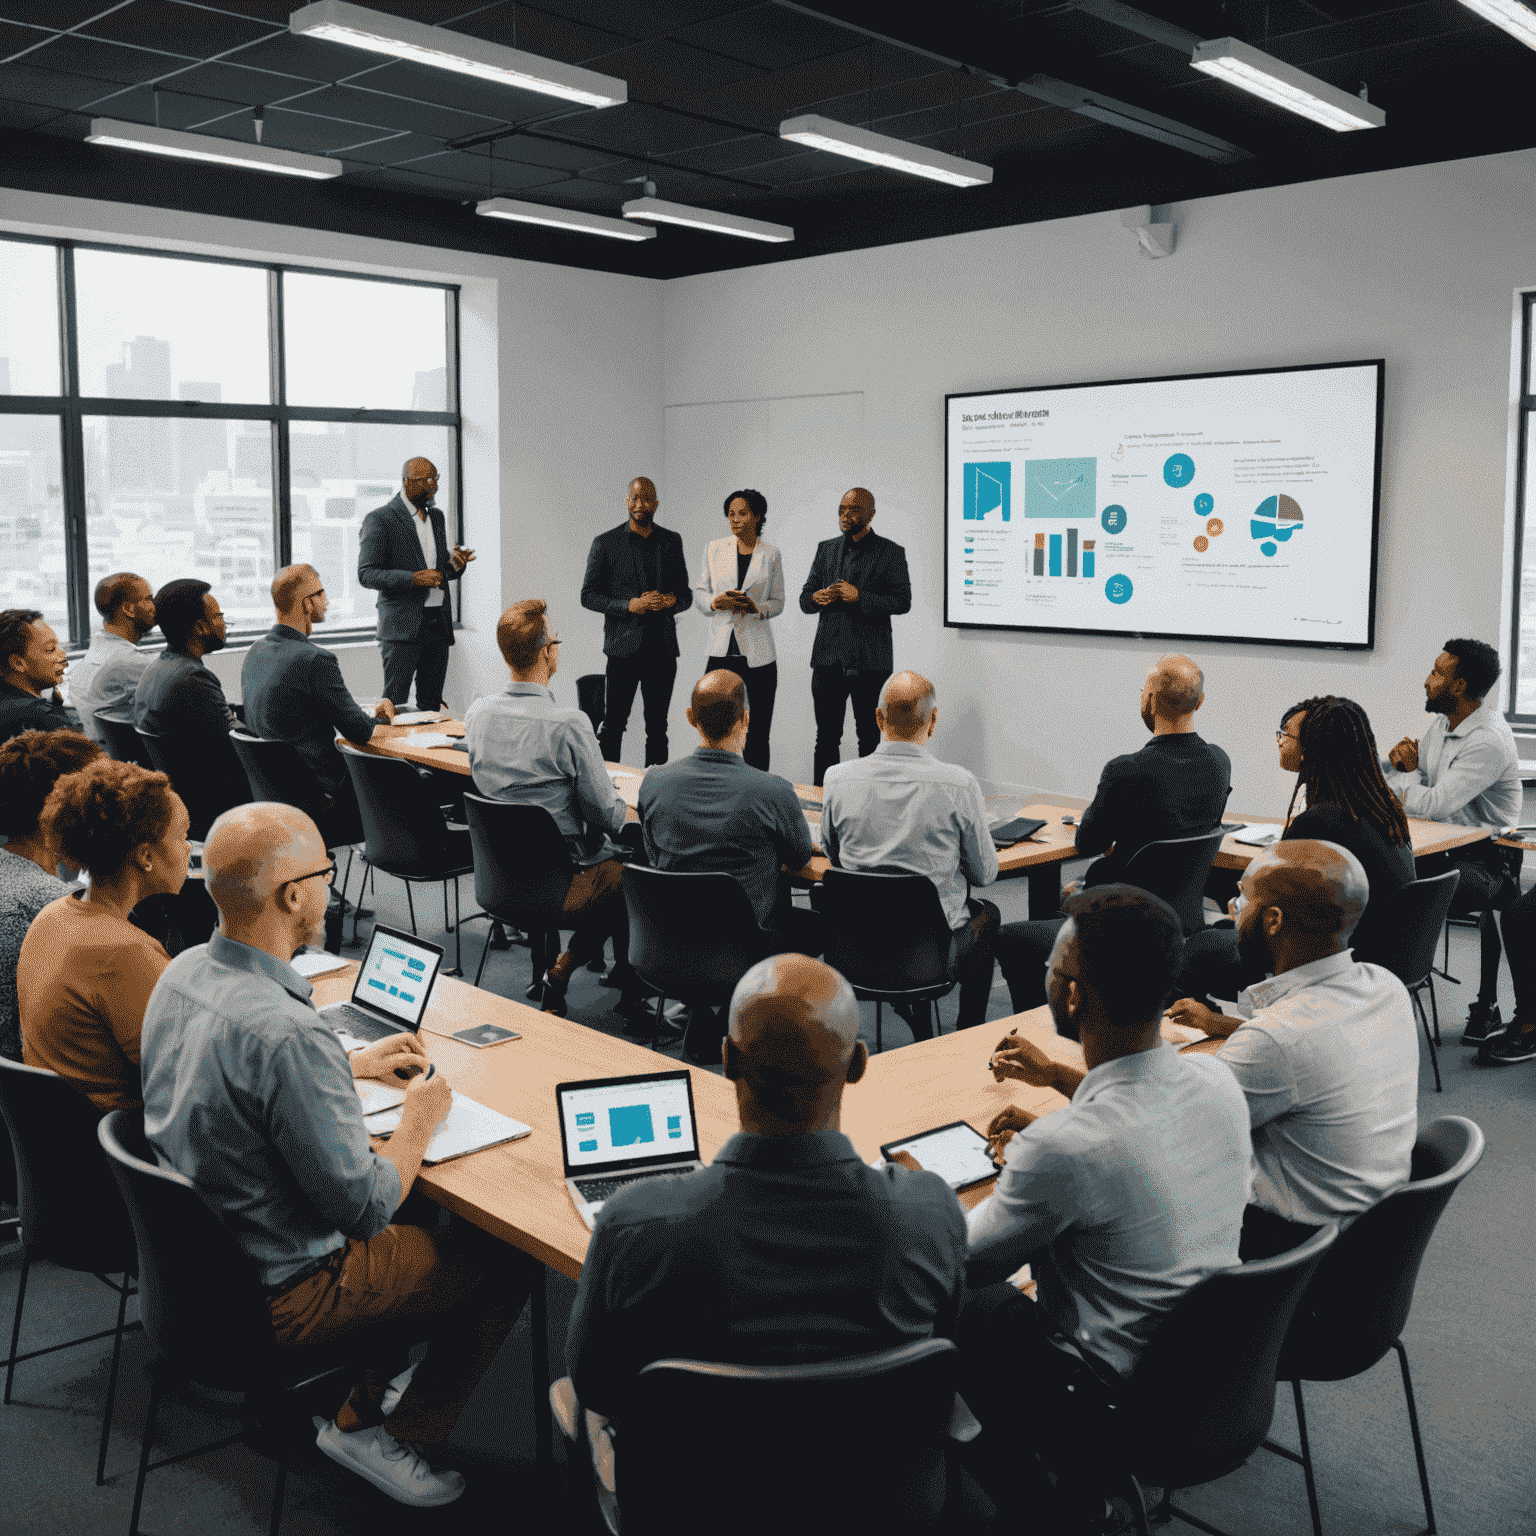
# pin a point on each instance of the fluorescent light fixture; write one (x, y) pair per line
(358, 27)
(200, 146)
(664, 212)
(880, 149)
(562, 218)
(1250, 70)
(1516, 19)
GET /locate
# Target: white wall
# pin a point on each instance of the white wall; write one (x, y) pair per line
(1419, 266)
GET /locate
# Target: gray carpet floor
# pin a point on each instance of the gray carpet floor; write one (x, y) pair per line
(1474, 1362)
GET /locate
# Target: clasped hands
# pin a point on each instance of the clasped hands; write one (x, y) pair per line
(736, 601)
(392, 1058)
(460, 558)
(652, 602)
(838, 592)
(1405, 755)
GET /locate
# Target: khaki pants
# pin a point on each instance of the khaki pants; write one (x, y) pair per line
(596, 897)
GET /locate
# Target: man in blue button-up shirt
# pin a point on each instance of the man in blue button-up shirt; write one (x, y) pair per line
(248, 1093)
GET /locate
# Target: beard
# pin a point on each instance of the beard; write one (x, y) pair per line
(214, 643)
(1066, 1025)
(1436, 704)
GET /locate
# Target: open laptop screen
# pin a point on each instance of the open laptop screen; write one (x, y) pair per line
(627, 1121)
(397, 974)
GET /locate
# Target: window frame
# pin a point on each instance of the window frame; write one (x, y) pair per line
(71, 408)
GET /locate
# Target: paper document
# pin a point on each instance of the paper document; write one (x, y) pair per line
(421, 717)
(468, 1127)
(1259, 834)
(1182, 1034)
(429, 739)
(318, 965)
(376, 1095)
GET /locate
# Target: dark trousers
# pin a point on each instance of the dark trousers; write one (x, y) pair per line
(762, 684)
(831, 688)
(971, 955)
(425, 659)
(653, 673)
(1519, 924)
(1489, 883)
(1022, 950)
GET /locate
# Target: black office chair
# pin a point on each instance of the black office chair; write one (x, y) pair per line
(406, 835)
(1176, 869)
(854, 1444)
(692, 937)
(523, 873)
(208, 1320)
(204, 772)
(888, 935)
(1416, 913)
(1357, 1304)
(71, 1213)
(591, 697)
(121, 740)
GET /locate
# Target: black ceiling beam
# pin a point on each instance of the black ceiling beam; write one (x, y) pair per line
(1132, 20)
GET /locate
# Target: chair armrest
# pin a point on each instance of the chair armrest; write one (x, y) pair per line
(964, 1426)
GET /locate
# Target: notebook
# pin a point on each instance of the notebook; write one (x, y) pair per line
(392, 988)
(467, 1127)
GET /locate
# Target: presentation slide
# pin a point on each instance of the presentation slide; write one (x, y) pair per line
(1233, 506)
(634, 1119)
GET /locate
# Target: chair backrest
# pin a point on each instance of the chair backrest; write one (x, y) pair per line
(1202, 1396)
(71, 1212)
(203, 771)
(1176, 868)
(403, 826)
(592, 697)
(837, 1446)
(122, 741)
(1409, 933)
(276, 772)
(523, 869)
(886, 933)
(198, 1294)
(1357, 1305)
(692, 936)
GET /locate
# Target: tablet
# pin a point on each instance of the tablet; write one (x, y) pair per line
(957, 1153)
(1015, 831)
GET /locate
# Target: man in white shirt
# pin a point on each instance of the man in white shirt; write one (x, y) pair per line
(107, 676)
(1466, 770)
(1123, 1201)
(1326, 1050)
(901, 808)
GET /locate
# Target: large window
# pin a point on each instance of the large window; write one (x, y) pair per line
(177, 416)
(1522, 683)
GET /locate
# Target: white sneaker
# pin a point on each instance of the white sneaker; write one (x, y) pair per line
(396, 1390)
(390, 1465)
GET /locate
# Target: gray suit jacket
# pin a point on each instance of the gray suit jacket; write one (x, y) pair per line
(388, 555)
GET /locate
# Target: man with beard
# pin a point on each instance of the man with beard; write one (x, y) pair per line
(107, 675)
(1466, 770)
(636, 577)
(1175, 786)
(1122, 1202)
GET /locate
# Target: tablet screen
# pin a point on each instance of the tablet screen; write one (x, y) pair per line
(957, 1153)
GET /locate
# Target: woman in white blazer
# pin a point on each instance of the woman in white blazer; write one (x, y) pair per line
(741, 588)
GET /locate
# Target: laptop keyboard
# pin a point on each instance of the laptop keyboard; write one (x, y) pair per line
(348, 1019)
(594, 1190)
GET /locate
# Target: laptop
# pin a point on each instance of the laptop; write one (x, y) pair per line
(393, 984)
(615, 1131)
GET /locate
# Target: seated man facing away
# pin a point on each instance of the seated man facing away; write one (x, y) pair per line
(903, 809)
(293, 692)
(1326, 1050)
(248, 1093)
(86, 973)
(107, 676)
(529, 750)
(32, 664)
(1123, 1201)
(1175, 786)
(712, 812)
(788, 1247)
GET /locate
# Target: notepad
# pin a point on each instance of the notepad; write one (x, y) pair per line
(429, 739)
(420, 717)
(318, 965)
(1261, 834)
(377, 1096)
(1182, 1034)
(468, 1127)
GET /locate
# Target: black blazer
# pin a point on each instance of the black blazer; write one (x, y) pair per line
(615, 574)
(388, 556)
(858, 634)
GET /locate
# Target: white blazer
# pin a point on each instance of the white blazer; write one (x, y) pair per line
(764, 585)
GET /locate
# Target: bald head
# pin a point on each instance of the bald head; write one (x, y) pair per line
(793, 1043)
(718, 706)
(291, 584)
(1320, 888)
(252, 852)
(1173, 691)
(418, 469)
(907, 707)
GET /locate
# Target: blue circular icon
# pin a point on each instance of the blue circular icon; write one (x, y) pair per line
(1113, 519)
(1118, 589)
(1204, 502)
(1179, 470)
(1268, 548)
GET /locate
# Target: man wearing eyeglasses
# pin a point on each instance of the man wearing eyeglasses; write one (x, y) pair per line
(293, 692)
(403, 555)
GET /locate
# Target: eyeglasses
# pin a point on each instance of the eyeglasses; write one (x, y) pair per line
(1286, 736)
(329, 872)
(318, 592)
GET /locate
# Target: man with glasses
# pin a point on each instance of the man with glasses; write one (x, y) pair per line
(249, 1094)
(294, 692)
(403, 555)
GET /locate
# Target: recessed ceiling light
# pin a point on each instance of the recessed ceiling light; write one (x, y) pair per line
(880, 149)
(1279, 84)
(663, 212)
(1516, 19)
(202, 146)
(359, 27)
(562, 218)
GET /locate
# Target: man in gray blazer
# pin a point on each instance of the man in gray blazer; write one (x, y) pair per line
(404, 556)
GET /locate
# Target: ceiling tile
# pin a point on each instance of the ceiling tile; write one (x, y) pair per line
(77, 55)
(193, 30)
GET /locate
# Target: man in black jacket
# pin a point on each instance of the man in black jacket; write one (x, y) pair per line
(403, 555)
(636, 576)
(32, 663)
(856, 583)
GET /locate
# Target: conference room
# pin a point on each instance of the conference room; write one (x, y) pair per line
(1155, 367)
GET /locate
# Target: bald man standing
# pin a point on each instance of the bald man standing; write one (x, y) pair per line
(249, 1093)
(403, 555)
(719, 1265)
(857, 581)
(637, 578)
